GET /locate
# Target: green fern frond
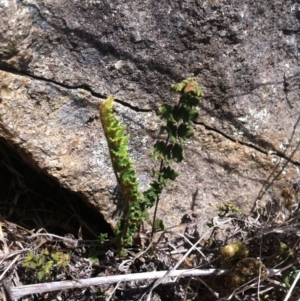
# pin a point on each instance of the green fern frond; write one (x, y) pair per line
(123, 169)
(117, 142)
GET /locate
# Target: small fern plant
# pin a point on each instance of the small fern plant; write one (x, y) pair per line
(45, 263)
(177, 128)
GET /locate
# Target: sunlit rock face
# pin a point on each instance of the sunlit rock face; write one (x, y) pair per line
(60, 59)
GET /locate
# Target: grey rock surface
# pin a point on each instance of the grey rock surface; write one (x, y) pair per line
(60, 59)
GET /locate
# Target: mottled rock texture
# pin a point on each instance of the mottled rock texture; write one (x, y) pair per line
(60, 59)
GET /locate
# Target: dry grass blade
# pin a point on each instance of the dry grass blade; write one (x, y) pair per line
(9, 266)
(287, 297)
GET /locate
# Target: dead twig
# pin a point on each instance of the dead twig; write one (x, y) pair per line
(23, 290)
(287, 297)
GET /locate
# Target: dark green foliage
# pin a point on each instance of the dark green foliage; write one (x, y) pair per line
(178, 120)
(168, 152)
(150, 196)
(159, 225)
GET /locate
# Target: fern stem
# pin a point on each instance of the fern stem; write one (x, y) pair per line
(158, 197)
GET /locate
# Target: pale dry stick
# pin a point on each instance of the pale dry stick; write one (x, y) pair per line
(209, 288)
(5, 295)
(136, 256)
(3, 240)
(6, 256)
(7, 224)
(125, 265)
(293, 228)
(116, 287)
(8, 267)
(69, 240)
(260, 267)
(251, 283)
(188, 241)
(23, 290)
(176, 252)
(292, 287)
(276, 283)
(265, 290)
